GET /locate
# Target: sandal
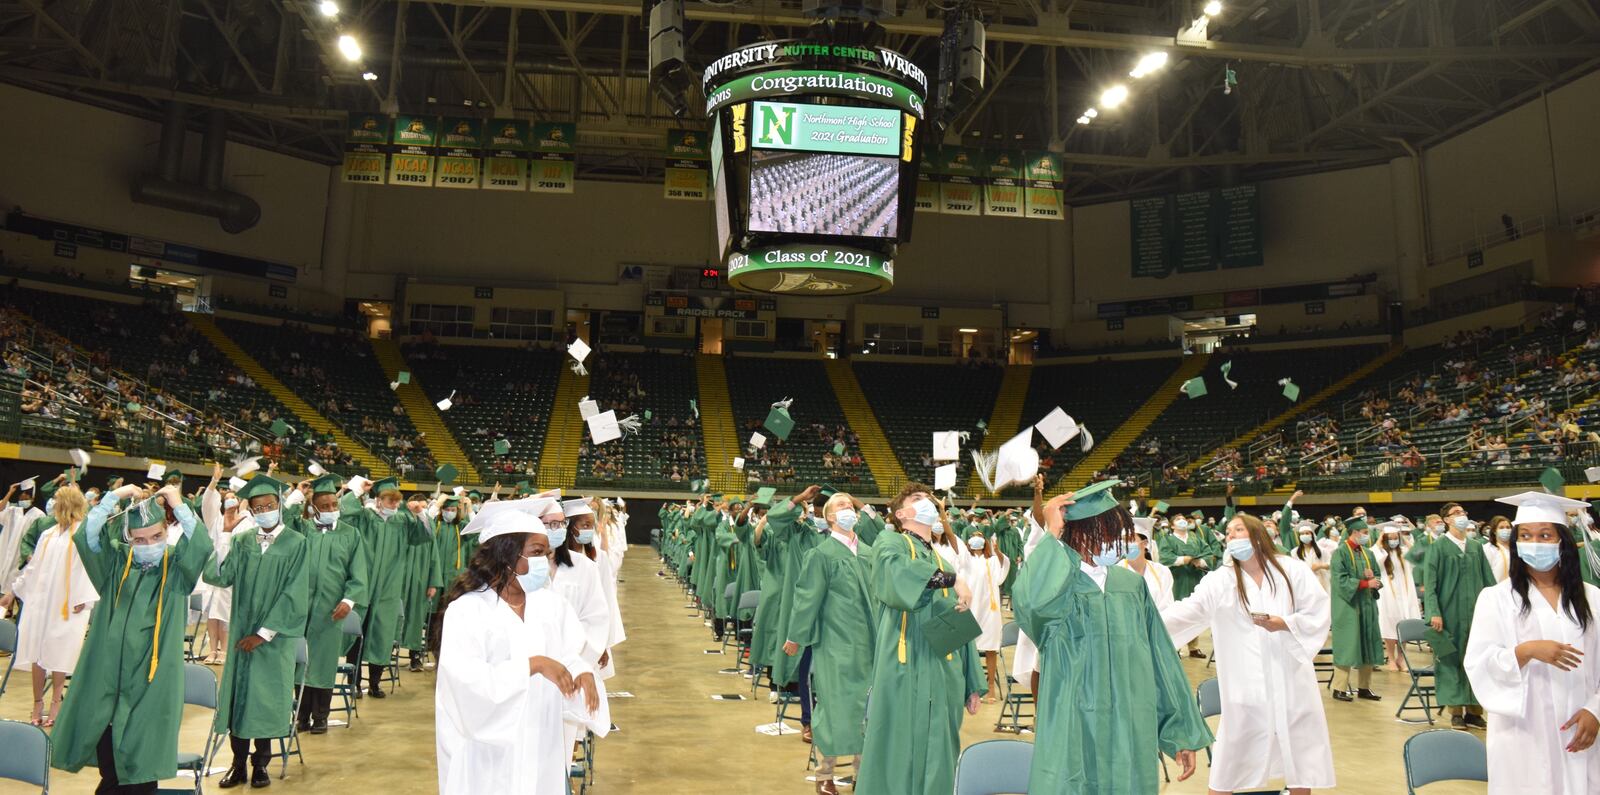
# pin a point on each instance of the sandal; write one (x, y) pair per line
(37, 719)
(50, 719)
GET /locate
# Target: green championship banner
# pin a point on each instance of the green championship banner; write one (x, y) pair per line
(960, 170)
(554, 157)
(1045, 182)
(411, 156)
(1002, 184)
(458, 164)
(688, 165)
(364, 139)
(505, 162)
(927, 200)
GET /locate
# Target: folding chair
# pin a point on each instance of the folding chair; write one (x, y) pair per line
(1444, 755)
(1323, 664)
(200, 690)
(1414, 630)
(744, 625)
(197, 635)
(347, 679)
(1209, 697)
(290, 746)
(994, 767)
(1015, 701)
(25, 754)
(8, 644)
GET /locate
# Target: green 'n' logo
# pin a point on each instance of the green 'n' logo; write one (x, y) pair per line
(773, 124)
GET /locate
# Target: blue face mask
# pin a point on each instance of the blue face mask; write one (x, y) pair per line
(1393, 543)
(1109, 555)
(50, 505)
(1504, 533)
(845, 518)
(558, 535)
(327, 518)
(147, 554)
(448, 516)
(1241, 549)
(926, 513)
(538, 575)
(24, 504)
(819, 524)
(1539, 556)
(586, 536)
(385, 512)
(266, 520)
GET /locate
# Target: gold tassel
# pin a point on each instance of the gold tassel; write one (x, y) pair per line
(66, 599)
(161, 595)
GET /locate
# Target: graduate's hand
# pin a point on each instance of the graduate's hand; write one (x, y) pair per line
(972, 704)
(963, 596)
(250, 643)
(1038, 484)
(591, 694)
(605, 659)
(553, 671)
(80, 608)
(1550, 652)
(1185, 758)
(432, 591)
(1437, 623)
(6, 601)
(1297, 495)
(340, 610)
(1272, 623)
(791, 648)
(1588, 725)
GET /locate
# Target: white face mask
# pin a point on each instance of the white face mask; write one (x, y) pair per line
(230, 504)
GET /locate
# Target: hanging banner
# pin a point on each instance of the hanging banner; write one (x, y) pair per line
(1045, 183)
(958, 190)
(688, 165)
(1002, 188)
(554, 157)
(505, 163)
(364, 138)
(459, 143)
(411, 157)
(928, 183)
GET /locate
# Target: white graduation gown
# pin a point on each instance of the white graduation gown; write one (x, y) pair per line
(1498, 561)
(54, 581)
(1528, 705)
(608, 564)
(14, 523)
(1308, 558)
(1026, 658)
(1272, 721)
(984, 576)
(580, 584)
(497, 728)
(1158, 580)
(1397, 599)
(218, 600)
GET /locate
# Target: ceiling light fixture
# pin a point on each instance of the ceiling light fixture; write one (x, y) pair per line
(1114, 96)
(349, 47)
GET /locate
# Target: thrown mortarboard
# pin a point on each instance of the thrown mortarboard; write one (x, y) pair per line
(603, 427)
(588, 408)
(738, 463)
(1093, 500)
(444, 405)
(403, 377)
(1552, 480)
(946, 445)
(1536, 507)
(757, 441)
(944, 477)
(779, 422)
(1591, 474)
(236, 483)
(280, 428)
(764, 496)
(155, 471)
(80, 458)
(579, 350)
(694, 407)
(244, 466)
(1227, 367)
(1290, 389)
(984, 424)
(698, 485)
(315, 469)
(838, 448)
(1195, 387)
(647, 414)
(355, 483)
(1016, 461)
(446, 473)
(1160, 507)
(1057, 428)
(501, 447)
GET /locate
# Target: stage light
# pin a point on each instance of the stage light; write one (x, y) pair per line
(1150, 63)
(1114, 96)
(349, 47)
(1213, 8)
(1083, 119)
(328, 8)
(369, 76)
(1091, 113)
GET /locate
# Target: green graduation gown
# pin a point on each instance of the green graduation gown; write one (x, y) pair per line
(833, 614)
(112, 687)
(1114, 693)
(1196, 547)
(914, 718)
(704, 523)
(30, 538)
(1452, 578)
(1357, 640)
(336, 570)
(794, 527)
(764, 642)
(269, 592)
(423, 571)
(868, 526)
(455, 550)
(387, 542)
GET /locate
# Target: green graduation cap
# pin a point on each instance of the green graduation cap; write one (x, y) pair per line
(1291, 390)
(385, 484)
(1159, 507)
(698, 486)
(983, 423)
(1552, 480)
(779, 422)
(451, 500)
(1195, 387)
(403, 377)
(262, 486)
(143, 514)
(979, 511)
(475, 495)
(280, 428)
(501, 447)
(827, 490)
(446, 473)
(764, 496)
(1093, 500)
(1197, 514)
(947, 629)
(647, 414)
(523, 487)
(1355, 523)
(838, 448)
(327, 484)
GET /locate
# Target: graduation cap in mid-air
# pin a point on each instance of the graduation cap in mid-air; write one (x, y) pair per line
(1552, 480)
(764, 496)
(779, 422)
(501, 447)
(280, 428)
(1290, 389)
(1195, 387)
(446, 473)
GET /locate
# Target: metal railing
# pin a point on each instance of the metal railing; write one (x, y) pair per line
(1520, 228)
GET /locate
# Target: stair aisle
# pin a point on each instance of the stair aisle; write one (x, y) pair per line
(875, 449)
(1108, 448)
(558, 460)
(1005, 419)
(424, 414)
(718, 433)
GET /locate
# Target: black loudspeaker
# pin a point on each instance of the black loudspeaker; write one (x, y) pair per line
(847, 9)
(961, 67)
(669, 73)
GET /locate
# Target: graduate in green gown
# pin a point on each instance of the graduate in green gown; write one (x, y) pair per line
(835, 617)
(1354, 585)
(789, 524)
(424, 582)
(388, 534)
(126, 699)
(1454, 571)
(769, 539)
(913, 731)
(454, 552)
(336, 585)
(265, 567)
(1112, 695)
(1189, 552)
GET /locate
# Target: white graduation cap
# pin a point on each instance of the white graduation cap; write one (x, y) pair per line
(156, 471)
(234, 484)
(80, 458)
(1537, 506)
(459, 491)
(738, 463)
(603, 427)
(946, 445)
(757, 440)
(588, 408)
(27, 485)
(1016, 461)
(1057, 428)
(944, 477)
(394, 385)
(1144, 525)
(444, 405)
(244, 466)
(316, 469)
(579, 350)
(1592, 474)
(578, 507)
(354, 484)
(519, 516)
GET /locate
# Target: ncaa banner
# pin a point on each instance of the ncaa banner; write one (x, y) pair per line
(459, 143)
(1002, 188)
(364, 138)
(688, 165)
(505, 161)
(555, 156)
(1045, 181)
(411, 154)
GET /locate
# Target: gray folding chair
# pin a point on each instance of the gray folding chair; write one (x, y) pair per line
(200, 690)
(1444, 755)
(290, 746)
(8, 644)
(194, 641)
(744, 625)
(1209, 697)
(994, 767)
(1015, 701)
(1410, 631)
(347, 679)
(25, 754)
(730, 635)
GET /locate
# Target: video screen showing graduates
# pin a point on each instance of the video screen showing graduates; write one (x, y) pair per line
(824, 194)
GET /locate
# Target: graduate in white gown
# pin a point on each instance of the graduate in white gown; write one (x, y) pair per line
(510, 669)
(56, 595)
(1157, 578)
(1025, 660)
(1397, 599)
(18, 511)
(985, 568)
(222, 512)
(579, 581)
(600, 537)
(1268, 618)
(1533, 658)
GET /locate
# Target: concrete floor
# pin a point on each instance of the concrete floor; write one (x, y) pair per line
(675, 738)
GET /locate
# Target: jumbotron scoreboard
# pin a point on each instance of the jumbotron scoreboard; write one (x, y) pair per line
(814, 157)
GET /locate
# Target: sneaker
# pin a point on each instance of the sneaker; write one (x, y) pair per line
(1458, 722)
(1343, 695)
